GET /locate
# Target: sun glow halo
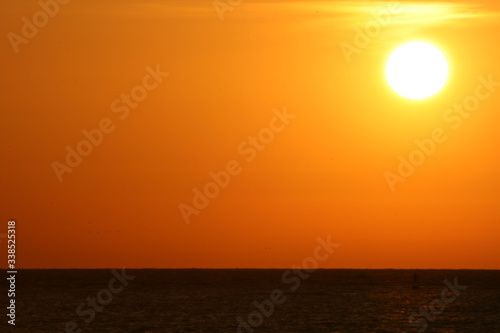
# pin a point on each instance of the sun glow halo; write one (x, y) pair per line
(417, 70)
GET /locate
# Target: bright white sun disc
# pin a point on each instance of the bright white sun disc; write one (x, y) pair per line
(417, 70)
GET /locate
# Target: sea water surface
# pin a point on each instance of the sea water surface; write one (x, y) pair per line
(218, 300)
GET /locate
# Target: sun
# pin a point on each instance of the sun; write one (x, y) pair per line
(417, 70)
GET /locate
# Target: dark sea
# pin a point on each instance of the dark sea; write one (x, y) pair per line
(246, 300)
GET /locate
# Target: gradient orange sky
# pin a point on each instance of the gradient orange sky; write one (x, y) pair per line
(323, 174)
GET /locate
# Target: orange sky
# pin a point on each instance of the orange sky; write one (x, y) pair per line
(321, 174)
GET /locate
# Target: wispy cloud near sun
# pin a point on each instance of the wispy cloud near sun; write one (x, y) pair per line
(424, 13)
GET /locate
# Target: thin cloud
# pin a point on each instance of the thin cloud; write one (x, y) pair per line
(412, 12)
(347, 13)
